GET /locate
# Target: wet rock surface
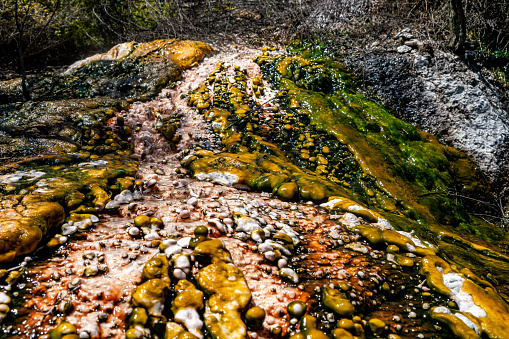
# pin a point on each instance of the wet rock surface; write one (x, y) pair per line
(444, 94)
(182, 257)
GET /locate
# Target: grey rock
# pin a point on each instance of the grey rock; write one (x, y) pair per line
(404, 49)
(124, 197)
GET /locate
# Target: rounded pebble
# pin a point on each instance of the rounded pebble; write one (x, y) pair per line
(179, 274)
(184, 214)
(68, 230)
(270, 255)
(133, 231)
(282, 263)
(4, 298)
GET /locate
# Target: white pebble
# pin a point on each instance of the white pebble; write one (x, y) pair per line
(193, 201)
(94, 218)
(124, 197)
(217, 223)
(182, 262)
(69, 230)
(184, 242)
(172, 249)
(4, 298)
(62, 239)
(179, 274)
(169, 242)
(184, 214)
(133, 231)
(282, 263)
(112, 205)
(153, 235)
(264, 247)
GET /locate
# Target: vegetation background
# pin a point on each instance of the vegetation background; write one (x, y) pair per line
(57, 32)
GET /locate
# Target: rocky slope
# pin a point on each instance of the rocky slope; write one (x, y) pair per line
(359, 264)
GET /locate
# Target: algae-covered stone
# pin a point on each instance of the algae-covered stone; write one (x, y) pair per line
(188, 301)
(377, 326)
(296, 309)
(175, 331)
(137, 332)
(308, 328)
(456, 324)
(142, 221)
(17, 237)
(157, 267)
(288, 190)
(482, 305)
(254, 317)
(138, 316)
(151, 295)
(346, 324)
(337, 302)
(201, 230)
(229, 296)
(212, 251)
(21, 233)
(340, 333)
(62, 330)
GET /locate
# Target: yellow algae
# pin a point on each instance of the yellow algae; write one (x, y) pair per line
(309, 330)
(347, 205)
(229, 295)
(151, 295)
(173, 330)
(183, 53)
(212, 251)
(157, 268)
(187, 296)
(430, 266)
(458, 327)
(339, 333)
(482, 305)
(496, 322)
(19, 236)
(188, 301)
(337, 302)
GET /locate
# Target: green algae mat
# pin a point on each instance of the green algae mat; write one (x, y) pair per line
(318, 138)
(321, 138)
